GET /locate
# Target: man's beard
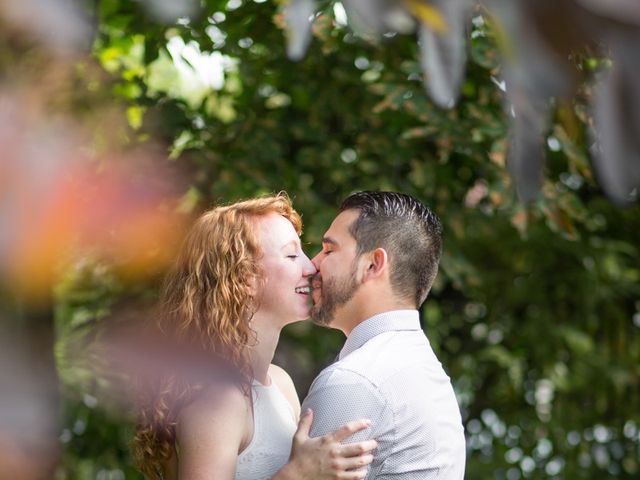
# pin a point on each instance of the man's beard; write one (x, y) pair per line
(335, 293)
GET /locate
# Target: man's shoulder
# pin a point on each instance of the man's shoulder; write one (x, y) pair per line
(382, 357)
(340, 383)
(339, 395)
(343, 372)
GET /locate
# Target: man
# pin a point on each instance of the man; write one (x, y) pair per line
(378, 261)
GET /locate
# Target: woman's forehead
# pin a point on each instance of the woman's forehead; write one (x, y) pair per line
(276, 232)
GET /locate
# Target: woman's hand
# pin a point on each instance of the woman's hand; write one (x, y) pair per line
(326, 458)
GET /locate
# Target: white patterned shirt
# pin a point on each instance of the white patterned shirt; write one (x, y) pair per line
(387, 372)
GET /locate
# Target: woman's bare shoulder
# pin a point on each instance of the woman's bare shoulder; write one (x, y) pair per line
(279, 375)
(222, 399)
(211, 431)
(216, 409)
(283, 381)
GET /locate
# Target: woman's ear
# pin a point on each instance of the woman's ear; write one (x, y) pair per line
(376, 265)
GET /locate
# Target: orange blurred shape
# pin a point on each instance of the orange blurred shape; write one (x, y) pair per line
(112, 211)
(56, 202)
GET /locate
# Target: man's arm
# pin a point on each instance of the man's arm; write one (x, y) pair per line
(338, 396)
(326, 457)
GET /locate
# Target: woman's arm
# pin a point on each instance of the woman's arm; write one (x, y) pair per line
(210, 433)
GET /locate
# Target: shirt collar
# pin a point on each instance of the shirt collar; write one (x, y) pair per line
(396, 320)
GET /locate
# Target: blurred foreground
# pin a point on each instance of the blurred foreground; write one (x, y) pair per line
(117, 128)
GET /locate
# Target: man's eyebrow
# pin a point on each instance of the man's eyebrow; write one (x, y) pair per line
(329, 240)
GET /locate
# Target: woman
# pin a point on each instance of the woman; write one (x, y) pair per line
(241, 277)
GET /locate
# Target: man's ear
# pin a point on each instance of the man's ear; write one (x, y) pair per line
(376, 264)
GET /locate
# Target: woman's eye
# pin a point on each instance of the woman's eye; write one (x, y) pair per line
(292, 256)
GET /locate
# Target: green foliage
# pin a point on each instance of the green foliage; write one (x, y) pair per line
(94, 439)
(536, 311)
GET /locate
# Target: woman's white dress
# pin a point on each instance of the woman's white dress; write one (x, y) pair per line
(274, 424)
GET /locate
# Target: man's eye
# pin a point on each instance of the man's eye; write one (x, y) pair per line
(327, 252)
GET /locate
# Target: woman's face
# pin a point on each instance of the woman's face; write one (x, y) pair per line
(285, 293)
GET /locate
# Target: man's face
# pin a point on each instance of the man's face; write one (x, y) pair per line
(336, 281)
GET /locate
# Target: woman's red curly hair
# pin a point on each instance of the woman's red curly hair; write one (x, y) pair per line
(208, 298)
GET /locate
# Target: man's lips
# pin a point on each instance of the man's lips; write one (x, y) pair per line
(315, 283)
(316, 292)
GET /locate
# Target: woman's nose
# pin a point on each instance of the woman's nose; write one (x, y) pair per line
(309, 267)
(316, 260)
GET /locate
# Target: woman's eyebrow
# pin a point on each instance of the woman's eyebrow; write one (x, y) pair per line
(295, 243)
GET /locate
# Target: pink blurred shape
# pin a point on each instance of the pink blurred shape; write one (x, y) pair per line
(58, 24)
(27, 415)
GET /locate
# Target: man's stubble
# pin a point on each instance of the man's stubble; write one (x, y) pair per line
(335, 293)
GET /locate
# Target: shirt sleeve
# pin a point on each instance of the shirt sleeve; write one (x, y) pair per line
(339, 396)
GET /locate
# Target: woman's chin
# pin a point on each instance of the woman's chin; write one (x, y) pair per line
(303, 316)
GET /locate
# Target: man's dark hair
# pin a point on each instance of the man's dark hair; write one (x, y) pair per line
(407, 229)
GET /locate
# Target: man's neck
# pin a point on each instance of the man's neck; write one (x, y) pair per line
(347, 322)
